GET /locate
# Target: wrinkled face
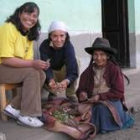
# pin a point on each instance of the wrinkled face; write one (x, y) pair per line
(100, 58)
(58, 38)
(28, 20)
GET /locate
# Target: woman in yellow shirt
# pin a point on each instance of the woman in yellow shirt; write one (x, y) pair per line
(17, 64)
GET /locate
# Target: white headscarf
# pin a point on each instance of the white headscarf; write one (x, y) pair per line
(58, 25)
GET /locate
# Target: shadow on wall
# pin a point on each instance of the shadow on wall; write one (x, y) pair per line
(37, 43)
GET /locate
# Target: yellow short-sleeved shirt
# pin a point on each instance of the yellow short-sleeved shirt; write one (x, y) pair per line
(14, 44)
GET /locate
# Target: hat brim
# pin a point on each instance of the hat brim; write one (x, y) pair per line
(90, 50)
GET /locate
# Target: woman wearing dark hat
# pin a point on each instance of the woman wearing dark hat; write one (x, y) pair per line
(102, 85)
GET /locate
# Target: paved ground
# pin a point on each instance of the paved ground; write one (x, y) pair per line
(13, 131)
(127, 134)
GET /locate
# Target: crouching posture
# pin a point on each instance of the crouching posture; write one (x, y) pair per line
(63, 71)
(102, 85)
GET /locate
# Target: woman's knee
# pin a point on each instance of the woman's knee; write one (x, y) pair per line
(42, 75)
(42, 78)
(33, 73)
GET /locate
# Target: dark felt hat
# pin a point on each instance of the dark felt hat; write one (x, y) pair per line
(101, 44)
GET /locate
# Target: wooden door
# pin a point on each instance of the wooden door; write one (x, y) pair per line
(115, 28)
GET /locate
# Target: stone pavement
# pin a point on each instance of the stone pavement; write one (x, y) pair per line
(12, 131)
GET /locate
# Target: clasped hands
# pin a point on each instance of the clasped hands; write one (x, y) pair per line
(58, 87)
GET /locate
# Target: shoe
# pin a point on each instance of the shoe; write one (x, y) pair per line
(29, 121)
(11, 112)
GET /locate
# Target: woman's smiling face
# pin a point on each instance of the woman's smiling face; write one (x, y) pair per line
(58, 38)
(100, 58)
(28, 20)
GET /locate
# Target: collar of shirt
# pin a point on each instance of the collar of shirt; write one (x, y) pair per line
(51, 44)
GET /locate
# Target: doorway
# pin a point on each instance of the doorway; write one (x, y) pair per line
(115, 28)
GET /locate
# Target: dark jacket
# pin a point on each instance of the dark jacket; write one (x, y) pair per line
(59, 58)
(114, 79)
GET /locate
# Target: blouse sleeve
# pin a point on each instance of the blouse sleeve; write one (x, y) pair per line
(7, 41)
(44, 56)
(71, 63)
